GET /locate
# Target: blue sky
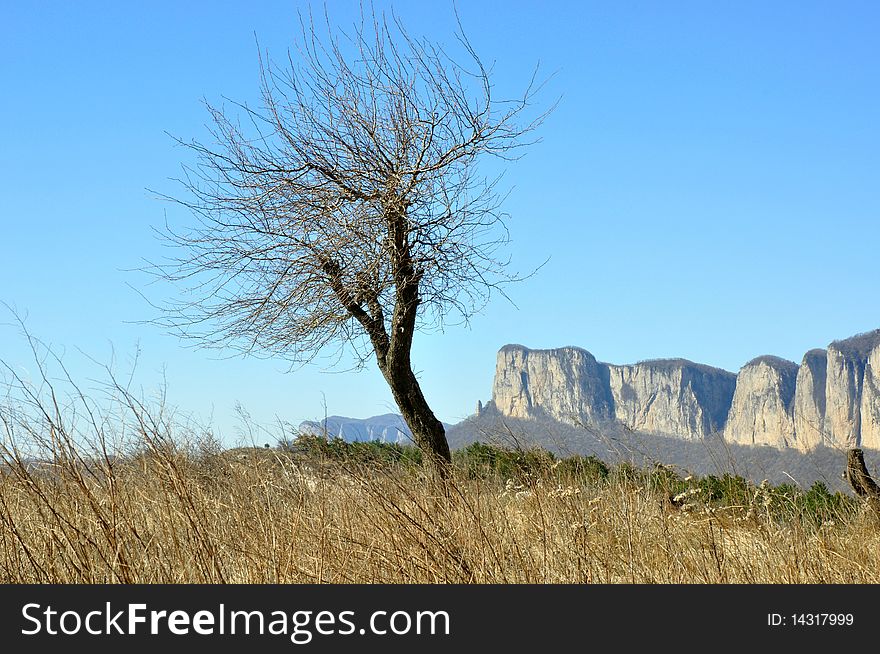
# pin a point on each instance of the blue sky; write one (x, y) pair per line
(707, 187)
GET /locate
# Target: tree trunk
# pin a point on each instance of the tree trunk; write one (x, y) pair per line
(428, 432)
(857, 476)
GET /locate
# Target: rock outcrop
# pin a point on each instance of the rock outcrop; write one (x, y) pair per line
(831, 399)
(870, 408)
(672, 396)
(565, 384)
(809, 400)
(762, 411)
(852, 408)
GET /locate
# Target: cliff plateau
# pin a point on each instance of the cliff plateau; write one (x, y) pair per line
(832, 398)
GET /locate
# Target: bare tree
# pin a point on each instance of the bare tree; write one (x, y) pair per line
(347, 209)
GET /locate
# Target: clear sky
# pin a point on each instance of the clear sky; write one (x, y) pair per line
(708, 188)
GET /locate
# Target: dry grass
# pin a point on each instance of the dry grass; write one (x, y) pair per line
(117, 492)
(264, 516)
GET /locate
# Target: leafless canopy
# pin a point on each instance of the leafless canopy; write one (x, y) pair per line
(348, 205)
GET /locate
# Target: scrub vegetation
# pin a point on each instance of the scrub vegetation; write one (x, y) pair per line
(133, 494)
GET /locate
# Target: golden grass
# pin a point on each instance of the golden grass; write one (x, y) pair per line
(119, 491)
(174, 515)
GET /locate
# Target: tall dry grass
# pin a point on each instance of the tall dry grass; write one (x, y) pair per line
(128, 495)
(264, 516)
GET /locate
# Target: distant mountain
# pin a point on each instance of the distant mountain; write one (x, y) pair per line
(387, 428)
(831, 399)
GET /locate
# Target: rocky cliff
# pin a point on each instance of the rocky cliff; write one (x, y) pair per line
(566, 384)
(869, 417)
(669, 396)
(809, 400)
(762, 411)
(832, 398)
(851, 397)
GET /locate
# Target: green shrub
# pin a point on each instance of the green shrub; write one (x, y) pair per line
(818, 505)
(783, 502)
(583, 469)
(626, 473)
(361, 452)
(665, 480)
(480, 461)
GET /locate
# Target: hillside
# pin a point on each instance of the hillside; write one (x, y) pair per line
(711, 455)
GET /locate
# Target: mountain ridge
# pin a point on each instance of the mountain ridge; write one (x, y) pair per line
(385, 428)
(831, 398)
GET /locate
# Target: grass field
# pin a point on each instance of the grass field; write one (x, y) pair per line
(327, 512)
(121, 490)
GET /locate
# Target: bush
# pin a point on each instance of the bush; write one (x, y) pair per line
(819, 506)
(361, 452)
(584, 469)
(626, 473)
(481, 461)
(728, 490)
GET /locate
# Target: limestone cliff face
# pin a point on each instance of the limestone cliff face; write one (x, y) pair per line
(832, 398)
(671, 396)
(809, 401)
(762, 411)
(566, 384)
(870, 407)
(842, 390)
(851, 391)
